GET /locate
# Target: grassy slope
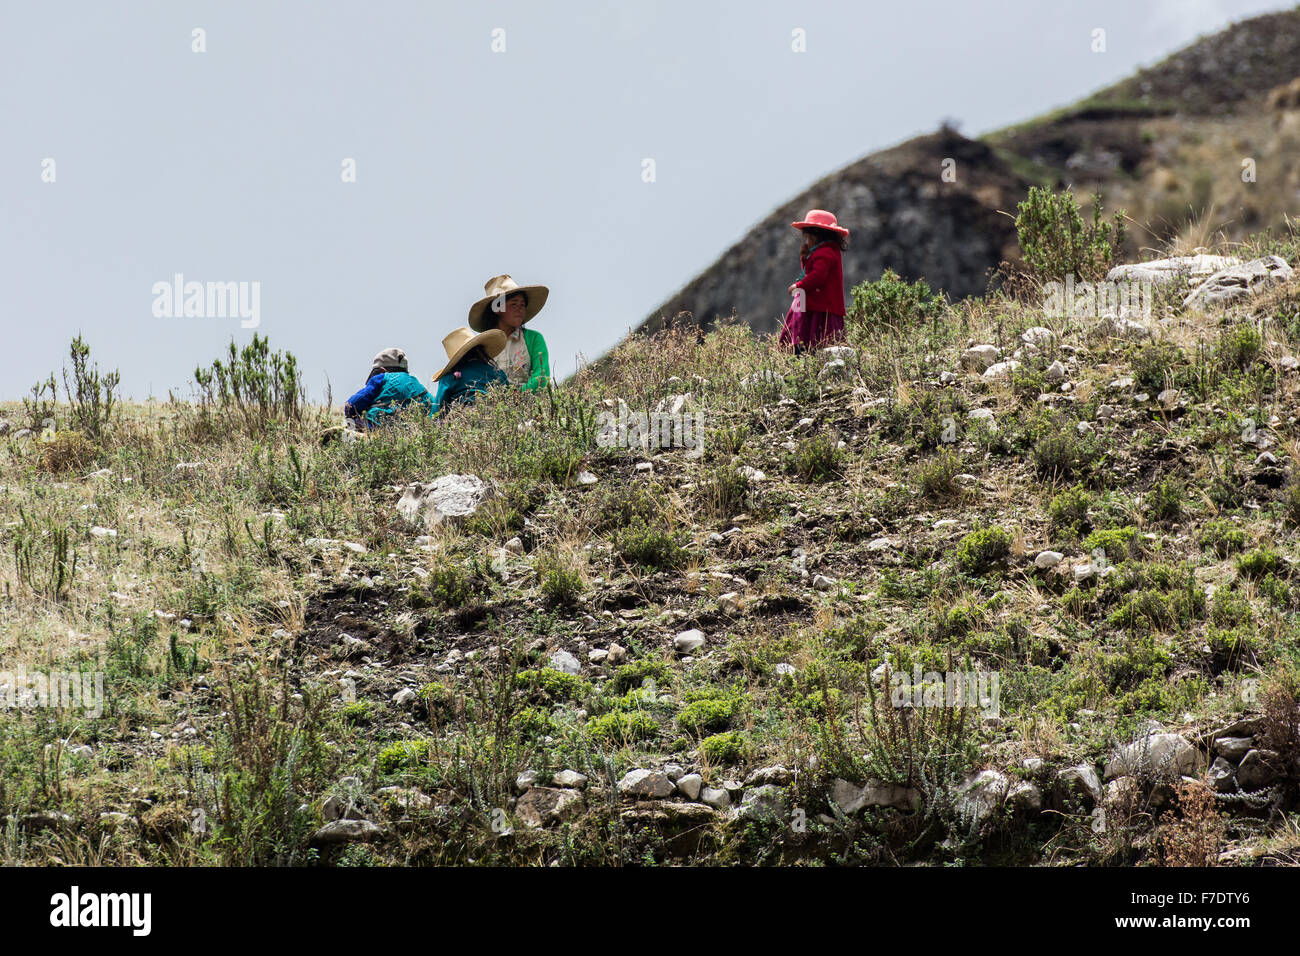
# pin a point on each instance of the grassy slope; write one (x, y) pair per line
(221, 629)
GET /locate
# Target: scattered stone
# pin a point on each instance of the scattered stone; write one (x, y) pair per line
(617, 654)
(984, 415)
(1221, 777)
(1257, 770)
(1162, 271)
(979, 358)
(715, 797)
(1048, 559)
(822, 583)
(570, 779)
(525, 780)
(515, 546)
(753, 474)
(1001, 369)
(449, 498)
(982, 793)
(841, 352)
(544, 806)
(405, 697)
(783, 669)
(1239, 280)
(688, 642)
(1077, 786)
(765, 802)
(99, 532)
(1154, 754)
(1055, 372)
(730, 603)
(1123, 327)
(565, 662)
(348, 831)
(776, 775)
(834, 369)
(880, 544)
(690, 785)
(648, 784)
(1038, 337)
(1234, 748)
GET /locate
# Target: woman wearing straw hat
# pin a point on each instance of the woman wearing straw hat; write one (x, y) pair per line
(469, 371)
(507, 306)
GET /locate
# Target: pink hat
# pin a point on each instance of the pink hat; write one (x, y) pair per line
(820, 219)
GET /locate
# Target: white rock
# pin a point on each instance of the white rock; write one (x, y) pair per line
(822, 583)
(690, 785)
(570, 779)
(565, 662)
(1155, 753)
(1161, 271)
(687, 642)
(1038, 337)
(1239, 280)
(753, 474)
(979, 358)
(715, 797)
(730, 603)
(99, 532)
(1001, 369)
(586, 478)
(449, 498)
(1055, 372)
(404, 696)
(1048, 559)
(647, 784)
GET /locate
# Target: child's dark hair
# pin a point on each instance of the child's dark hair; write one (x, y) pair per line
(825, 235)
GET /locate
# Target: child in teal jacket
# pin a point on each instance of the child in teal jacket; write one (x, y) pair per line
(389, 388)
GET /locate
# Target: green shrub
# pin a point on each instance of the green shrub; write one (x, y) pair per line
(1055, 242)
(894, 302)
(619, 728)
(403, 755)
(561, 583)
(253, 389)
(983, 549)
(723, 490)
(1116, 543)
(1222, 537)
(635, 674)
(1153, 366)
(1068, 512)
(90, 394)
(1239, 348)
(357, 712)
(817, 458)
(938, 473)
(724, 749)
(651, 545)
(709, 711)
(1164, 502)
(552, 686)
(1055, 453)
(1260, 562)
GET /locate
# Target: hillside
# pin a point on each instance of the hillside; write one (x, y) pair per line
(604, 654)
(1166, 145)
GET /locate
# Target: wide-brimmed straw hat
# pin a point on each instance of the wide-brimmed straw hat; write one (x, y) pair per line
(459, 343)
(497, 288)
(821, 219)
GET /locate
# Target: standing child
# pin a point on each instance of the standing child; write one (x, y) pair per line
(816, 317)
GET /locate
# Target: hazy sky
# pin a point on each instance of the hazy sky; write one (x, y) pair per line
(226, 165)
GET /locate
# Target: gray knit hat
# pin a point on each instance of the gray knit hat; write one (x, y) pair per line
(390, 358)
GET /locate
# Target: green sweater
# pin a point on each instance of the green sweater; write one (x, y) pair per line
(540, 372)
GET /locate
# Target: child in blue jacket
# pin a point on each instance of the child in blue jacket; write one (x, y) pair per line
(389, 388)
(469, 371)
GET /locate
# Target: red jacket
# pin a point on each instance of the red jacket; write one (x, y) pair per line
(823, 280)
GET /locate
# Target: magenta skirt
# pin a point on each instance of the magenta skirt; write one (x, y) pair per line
(812, 329)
